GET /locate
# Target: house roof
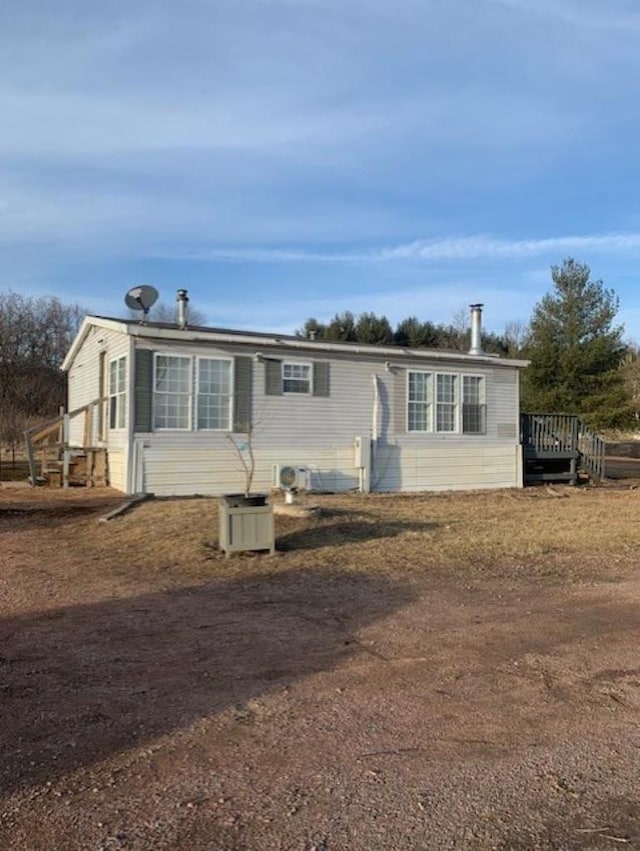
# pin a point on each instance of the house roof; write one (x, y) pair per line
(205, 334)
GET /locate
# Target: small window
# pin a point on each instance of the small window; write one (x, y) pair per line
(117, 392)
(172, 392)
(474, 410)
(296, 378)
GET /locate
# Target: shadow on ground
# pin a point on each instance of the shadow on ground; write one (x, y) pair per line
(347, 532)
(80, 684)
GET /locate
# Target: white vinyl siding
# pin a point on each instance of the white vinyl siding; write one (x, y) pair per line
(214, 394)
(296, 378)
(117, 393)
(172, 392)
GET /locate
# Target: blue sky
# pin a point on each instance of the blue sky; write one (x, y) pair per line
(291, 158)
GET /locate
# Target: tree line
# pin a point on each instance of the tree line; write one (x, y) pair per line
(35, 335)
(579, 362)
(410, 333)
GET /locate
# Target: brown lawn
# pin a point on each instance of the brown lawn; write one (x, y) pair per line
(427, 672)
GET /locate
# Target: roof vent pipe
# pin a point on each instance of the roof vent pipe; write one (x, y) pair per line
(476, 329)
(183, 300)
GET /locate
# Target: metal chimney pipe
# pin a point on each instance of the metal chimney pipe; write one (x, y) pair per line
(183, 300)
(476, 329)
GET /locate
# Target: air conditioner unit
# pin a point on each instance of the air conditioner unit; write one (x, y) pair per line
(291, 476)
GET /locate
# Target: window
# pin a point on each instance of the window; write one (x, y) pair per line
(296, 378)
(473, 408)
(172, 392)
(214, 394)
(419, 414)
(446, 402)
(117, 392)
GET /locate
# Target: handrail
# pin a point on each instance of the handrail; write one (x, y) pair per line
(564, 434)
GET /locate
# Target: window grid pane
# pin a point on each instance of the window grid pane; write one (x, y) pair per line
(172, 374)
(471, 385)
(446, 406)
(117, 392)
(474, 419)
(474, 411)
(419, 409)
(296, 378)
(214, 394)
(171, 410)
(172, 397)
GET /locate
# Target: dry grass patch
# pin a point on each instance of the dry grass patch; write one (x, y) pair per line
(543, 531)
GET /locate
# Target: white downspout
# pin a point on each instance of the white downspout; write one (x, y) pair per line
(374, 430)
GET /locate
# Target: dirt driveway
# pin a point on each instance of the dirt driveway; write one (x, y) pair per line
(454, 671)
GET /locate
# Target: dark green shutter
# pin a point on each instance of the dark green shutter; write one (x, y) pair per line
(143, 390)
(321, 378)
(273, 377)
(400, 401)
(242, 390)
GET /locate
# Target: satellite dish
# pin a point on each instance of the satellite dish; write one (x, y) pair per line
(141, 298)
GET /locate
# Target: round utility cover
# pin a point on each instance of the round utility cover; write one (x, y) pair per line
(287, 477)
(141, 298)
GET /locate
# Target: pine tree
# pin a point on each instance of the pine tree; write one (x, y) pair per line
(374, 329)
(576, 349)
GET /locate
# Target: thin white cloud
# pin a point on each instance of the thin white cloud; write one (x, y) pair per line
(447, 249)
(582, 14)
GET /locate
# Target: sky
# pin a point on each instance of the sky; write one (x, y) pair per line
(287, 159)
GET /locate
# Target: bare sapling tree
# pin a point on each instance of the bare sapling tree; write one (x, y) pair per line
(243, 447)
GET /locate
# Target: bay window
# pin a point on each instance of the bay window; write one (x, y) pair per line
(446, 402)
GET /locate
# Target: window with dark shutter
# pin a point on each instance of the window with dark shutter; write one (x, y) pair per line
(273, 377)
(321, 378)
(143, 390)
(242, 391)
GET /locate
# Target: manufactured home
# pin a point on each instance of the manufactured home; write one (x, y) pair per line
(164, 400)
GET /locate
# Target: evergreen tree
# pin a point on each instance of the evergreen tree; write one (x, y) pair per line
(342, 327)
(576, 349)
(414, 334)
(373, 329)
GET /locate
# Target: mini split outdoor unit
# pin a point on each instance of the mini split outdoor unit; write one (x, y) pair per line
(291, 477)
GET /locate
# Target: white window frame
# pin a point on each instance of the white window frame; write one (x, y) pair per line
(432, 418)
(118, 395)
(308, 365)
(173, 355)
(229, 425)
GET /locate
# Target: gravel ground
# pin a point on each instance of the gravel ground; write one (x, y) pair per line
(298, 708)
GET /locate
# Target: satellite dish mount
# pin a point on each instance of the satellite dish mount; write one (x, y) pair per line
(141, 298)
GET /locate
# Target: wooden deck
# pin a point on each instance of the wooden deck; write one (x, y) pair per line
(558, 447)
(54, 462)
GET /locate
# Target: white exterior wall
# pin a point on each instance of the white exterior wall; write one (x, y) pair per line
(319, 433)
(84, 387)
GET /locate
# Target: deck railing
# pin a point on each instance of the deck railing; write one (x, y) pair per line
(563, 435)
